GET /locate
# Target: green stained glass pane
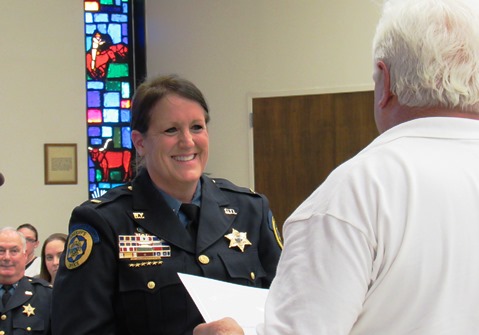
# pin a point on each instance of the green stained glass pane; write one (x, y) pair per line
(115, 176)
(117, 137)
(113, 86)
(97, 175)
(118, 70)
(106, 2)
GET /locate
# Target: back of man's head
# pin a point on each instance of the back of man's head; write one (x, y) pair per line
(432, 50)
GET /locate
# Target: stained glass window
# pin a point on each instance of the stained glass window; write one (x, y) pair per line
(110, 80)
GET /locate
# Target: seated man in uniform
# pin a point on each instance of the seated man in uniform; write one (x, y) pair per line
(25, 302)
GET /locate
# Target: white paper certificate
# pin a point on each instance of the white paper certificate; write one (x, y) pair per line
(216, 299)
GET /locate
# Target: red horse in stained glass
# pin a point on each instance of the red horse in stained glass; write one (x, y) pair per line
(102, 53)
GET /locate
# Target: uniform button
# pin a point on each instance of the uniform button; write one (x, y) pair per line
(151, 285)
(204, 259)
(3, 317)
(2, 332)
(252, 275)
(29, 329)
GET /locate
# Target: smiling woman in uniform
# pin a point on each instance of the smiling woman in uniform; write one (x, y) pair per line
(126, 248)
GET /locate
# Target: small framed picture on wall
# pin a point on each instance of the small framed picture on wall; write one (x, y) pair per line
(60, 163)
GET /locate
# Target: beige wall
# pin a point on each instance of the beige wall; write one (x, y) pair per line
(233, 50)
(42, 99)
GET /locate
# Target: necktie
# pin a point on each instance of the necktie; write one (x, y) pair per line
(192, 213)
(6, 295)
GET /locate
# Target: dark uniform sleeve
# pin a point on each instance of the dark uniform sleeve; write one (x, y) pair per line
(84, 290)
(271, 244)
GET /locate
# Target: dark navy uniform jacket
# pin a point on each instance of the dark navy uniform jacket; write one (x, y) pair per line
(28, 309)
(119, 271)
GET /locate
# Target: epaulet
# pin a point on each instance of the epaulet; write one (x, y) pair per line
(227, 185)
(111, 195)
(39, 281)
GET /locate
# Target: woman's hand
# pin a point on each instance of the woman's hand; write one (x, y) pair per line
(225, 326)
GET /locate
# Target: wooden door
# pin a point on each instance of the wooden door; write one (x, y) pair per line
(299, 140)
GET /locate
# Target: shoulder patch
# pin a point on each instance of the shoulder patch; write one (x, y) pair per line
(79, 245)
(277, 234)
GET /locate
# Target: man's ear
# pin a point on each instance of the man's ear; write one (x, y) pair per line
(384, 82)
(137, 139)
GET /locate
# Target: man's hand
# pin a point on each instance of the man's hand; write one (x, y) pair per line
(226, 326)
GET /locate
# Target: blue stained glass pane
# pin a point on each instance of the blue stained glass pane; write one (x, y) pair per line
(124, 29)
(125, 8)
(109, 9)
(125, 115)
(93, 99)
(87, 42)
(119, 18)
(114, 30)
(91, 175)
(96, 141)
(93, 131)
(100, 17)
(125, 40)
(104, 185)
(88, 18)
(125, 137)
(95, 85)
(106, 131)
(125, 90)
(90, 29)
(102, 28)
(111, 99)
(111, 115)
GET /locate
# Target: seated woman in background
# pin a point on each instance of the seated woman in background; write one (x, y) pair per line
(51, 252)
(32, 268)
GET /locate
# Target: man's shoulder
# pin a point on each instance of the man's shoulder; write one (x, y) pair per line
(38, 283)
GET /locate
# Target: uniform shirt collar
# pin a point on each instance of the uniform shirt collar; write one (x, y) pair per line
(14, 285)
(175, 204)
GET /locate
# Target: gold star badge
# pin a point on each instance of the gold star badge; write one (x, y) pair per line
(237, 239)
(28, 310)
